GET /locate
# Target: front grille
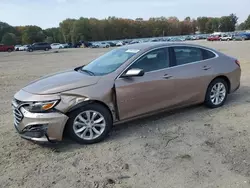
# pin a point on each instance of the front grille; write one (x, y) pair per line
(18, 116)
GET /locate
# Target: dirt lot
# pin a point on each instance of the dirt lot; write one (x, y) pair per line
(190, 148)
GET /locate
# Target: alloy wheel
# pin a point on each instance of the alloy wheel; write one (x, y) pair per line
(218, 93)
(89, 125)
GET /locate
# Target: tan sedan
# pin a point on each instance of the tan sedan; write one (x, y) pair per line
(123, 84)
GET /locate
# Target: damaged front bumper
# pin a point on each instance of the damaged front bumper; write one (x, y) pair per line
(39, 127)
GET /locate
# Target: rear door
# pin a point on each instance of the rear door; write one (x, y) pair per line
(192, 70)
(153, 91)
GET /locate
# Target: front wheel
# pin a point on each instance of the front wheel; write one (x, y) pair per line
(216, 93)
(89, 124)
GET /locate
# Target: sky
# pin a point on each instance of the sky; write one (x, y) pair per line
(49, 13)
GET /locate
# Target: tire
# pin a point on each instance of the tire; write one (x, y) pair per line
(46, 49)
(9, 50)
(30, 50)
(102, 113)
(209, 101)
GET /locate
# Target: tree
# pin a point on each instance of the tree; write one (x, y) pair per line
(247, 23)
(54, 34)
(5, 28)
(201, 23)
(49, 40)
(66, 27)
(32, 34)
(9, 39)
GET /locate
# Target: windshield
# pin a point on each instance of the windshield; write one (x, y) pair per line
(109, 62)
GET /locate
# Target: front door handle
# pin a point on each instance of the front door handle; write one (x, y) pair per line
(167, 76)
(206, 68)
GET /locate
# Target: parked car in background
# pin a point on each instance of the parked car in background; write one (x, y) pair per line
(126, 83)
(39, 46)
(24, 47)
(6, 48)
(119, 43)
(87, 44)
(77, 45)
(214, 38)
(66, 45)
(17, 47)
(242, 36)
(112, 44)
(101, 45)
(56, 46)
(226, 37)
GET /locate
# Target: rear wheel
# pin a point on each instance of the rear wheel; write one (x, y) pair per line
(46, 49)
(89, 124)
(9, 50)
(30, 50)
(216, 93)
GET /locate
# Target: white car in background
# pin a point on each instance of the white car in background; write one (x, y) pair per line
(56, 46)
(226, 37)
(17, 47)
(119, 44)
(24, 48)
(101, 45)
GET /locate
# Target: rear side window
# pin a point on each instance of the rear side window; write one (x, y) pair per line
(207, 54)
(184, 55)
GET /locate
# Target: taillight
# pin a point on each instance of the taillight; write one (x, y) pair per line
(237, 62)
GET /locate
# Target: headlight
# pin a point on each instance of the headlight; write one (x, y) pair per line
(37, 107)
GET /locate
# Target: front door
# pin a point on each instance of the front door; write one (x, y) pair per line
(153, 91)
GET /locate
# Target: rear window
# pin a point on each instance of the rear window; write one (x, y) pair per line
(207, 54)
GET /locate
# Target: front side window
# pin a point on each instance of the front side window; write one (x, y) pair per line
(185, 55)
(109, 62)
(152, 61)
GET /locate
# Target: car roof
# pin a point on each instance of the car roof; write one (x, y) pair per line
(152, 45)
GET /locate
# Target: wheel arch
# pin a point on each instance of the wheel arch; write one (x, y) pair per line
(224, 78)
(91, 102)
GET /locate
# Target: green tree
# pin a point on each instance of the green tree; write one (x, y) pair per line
(247, 23)
(5, 28)
(66, 28)
(32, 34)
(49, 40)
(9, 39)
(228, 23)
(201, 23)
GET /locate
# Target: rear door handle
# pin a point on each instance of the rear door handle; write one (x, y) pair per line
(167, 76)
(206, 68)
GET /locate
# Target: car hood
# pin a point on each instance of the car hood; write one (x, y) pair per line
(59, 82)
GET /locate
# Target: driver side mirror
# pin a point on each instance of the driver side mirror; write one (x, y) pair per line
(133, 73)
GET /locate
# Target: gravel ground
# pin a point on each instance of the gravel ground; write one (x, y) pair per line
(194, 147)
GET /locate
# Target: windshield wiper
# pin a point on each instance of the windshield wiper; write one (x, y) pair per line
(87, 71)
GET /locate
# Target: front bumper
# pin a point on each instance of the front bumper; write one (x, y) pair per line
(39, 127)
